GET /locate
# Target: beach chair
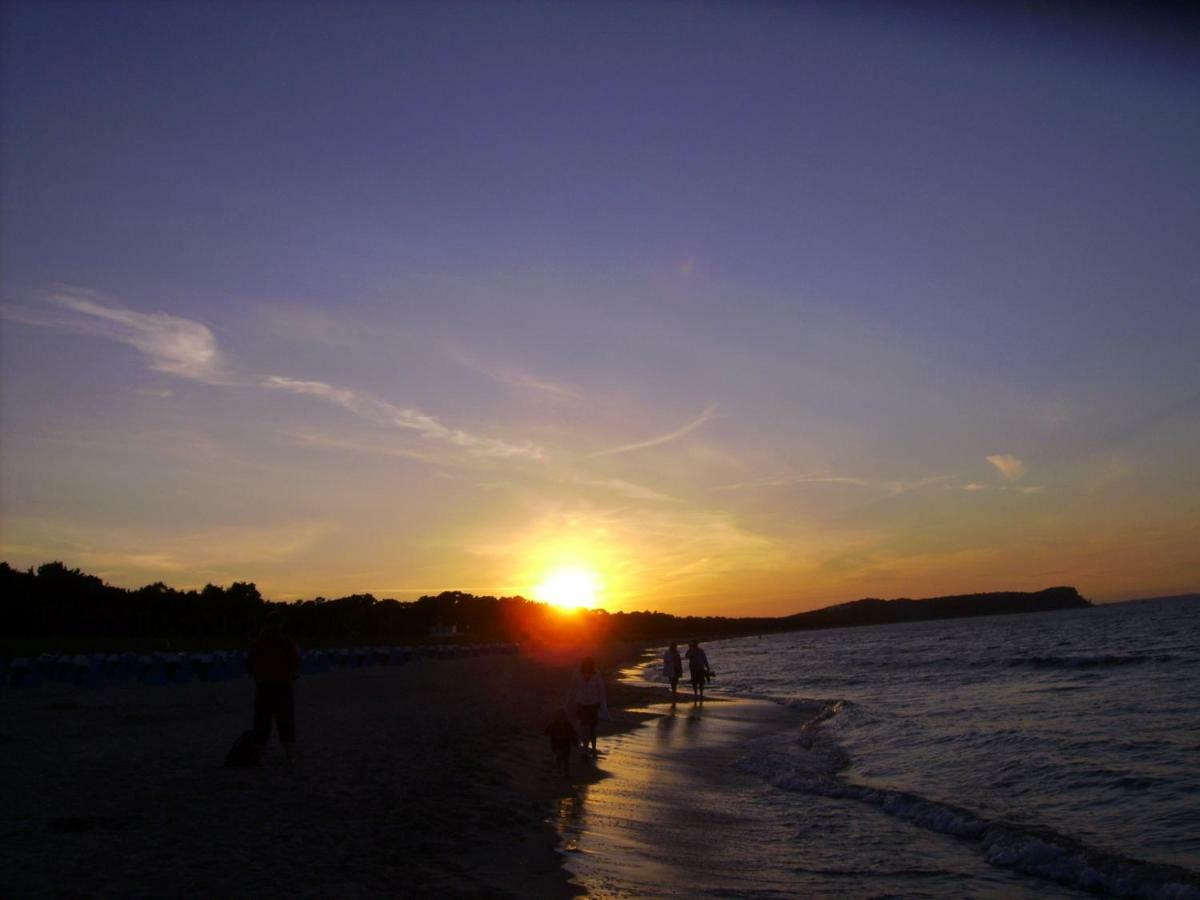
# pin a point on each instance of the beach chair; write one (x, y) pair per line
(60, 669)
(22, 674)
(129, 666)
(154, 670)
(223, 667)
(89, 671)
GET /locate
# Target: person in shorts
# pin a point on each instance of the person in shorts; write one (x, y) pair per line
(697, 667)
(274, 663)
(591, 704)
(673, 667)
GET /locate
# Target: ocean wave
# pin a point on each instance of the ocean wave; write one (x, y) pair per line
(809, 760)
(1104, 661)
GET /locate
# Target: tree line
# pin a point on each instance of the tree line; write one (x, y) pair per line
(56, 601)
(53, 601)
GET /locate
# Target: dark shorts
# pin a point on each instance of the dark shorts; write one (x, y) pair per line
(274, 702)
(588, 713)
(698, 678)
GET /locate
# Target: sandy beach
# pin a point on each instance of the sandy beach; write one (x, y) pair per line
(431, 778)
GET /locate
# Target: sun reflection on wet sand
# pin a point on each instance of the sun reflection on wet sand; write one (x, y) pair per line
(636, 830)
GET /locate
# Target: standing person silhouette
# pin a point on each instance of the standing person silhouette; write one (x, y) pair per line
(274, 663)
(591, 703)
(673, 668)
(698, 667)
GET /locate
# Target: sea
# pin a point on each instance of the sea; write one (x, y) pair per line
(1047, 754)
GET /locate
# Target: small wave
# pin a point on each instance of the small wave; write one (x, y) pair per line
(809, 764)
(1087, 662)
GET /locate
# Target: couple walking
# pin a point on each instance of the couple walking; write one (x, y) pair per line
(697, 668)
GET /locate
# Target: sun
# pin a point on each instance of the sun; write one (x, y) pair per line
(569, 587)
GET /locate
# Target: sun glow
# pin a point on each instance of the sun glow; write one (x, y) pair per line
(569, 587)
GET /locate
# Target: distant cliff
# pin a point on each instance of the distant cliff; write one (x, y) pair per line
(871, 611)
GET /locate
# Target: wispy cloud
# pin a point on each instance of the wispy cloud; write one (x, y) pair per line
(976, 487)
(171, 344)
(188, 349)
(817, 478)
(628, 489)
(385, 413)
(309, 439)
(900, 486)
(515, 376)
(891, 487)
(1010, 467)
(131, 554)
(662, 438)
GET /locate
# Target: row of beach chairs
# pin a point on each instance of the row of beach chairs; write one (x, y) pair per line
(179, 668)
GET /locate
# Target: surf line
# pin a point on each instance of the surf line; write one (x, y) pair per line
(1041, 852)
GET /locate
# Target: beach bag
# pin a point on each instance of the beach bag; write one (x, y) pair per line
(244, 752)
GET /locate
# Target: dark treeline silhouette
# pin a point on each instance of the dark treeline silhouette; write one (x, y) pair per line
(55, 601)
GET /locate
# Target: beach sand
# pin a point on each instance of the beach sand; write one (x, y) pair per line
(431, 778)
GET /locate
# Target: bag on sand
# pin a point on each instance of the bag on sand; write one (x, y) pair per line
(244, 752)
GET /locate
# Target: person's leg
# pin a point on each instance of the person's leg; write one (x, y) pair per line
(285, 720)
(262, 714)
(587, 718)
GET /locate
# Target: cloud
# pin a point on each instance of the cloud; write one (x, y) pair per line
(1010, 467)
(627, 489)
(893, 488)
(130, 555)
(307, 439)
(819, 478)
(662, 438)
(188, 349)
(974, 486)
(384, 413)
(171, 344)
(514, 377)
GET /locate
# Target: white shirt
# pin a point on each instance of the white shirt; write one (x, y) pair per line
(672, 664)
(588, 691)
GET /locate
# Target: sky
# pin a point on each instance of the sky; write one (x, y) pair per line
(736, 308)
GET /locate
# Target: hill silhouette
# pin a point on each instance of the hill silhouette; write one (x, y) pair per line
(56, 602)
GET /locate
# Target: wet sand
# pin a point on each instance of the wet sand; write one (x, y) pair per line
(668, 815)
(428, 779)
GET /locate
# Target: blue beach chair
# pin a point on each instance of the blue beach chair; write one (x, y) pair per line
(22, 674)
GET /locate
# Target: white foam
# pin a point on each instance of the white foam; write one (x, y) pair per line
(808, 760)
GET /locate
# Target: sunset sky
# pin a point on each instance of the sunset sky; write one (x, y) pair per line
(742, 308)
